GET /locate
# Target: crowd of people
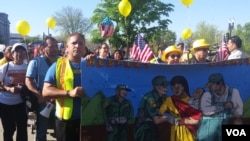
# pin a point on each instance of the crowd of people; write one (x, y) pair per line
(56, 78)
(178, 54)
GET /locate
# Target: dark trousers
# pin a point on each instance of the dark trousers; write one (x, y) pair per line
(68, 130)
(14, 118)
(42, 126)
(42, 123)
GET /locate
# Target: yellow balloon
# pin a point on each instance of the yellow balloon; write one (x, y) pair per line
(187, 2)
(51, 22)
(125, 7)
(186, 33)
(23, 27)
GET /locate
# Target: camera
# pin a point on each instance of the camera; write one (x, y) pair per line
(215, 46)
(211, 52)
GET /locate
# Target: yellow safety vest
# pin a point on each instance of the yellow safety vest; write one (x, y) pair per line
(65, 81)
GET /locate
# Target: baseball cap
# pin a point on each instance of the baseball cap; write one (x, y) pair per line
(19, 45)
(160, 80)
(123, 87)
(214, 78)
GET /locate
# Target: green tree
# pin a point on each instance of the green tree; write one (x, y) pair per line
(70, 20)
(244, 33)
(209, 32)
(162, 38)
(147, 17)
(30, 40)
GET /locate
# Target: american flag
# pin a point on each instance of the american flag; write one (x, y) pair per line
(141, 51)
(222, 53)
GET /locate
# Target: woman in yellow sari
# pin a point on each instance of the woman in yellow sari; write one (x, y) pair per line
(183, 117)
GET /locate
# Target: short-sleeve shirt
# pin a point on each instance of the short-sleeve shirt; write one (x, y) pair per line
(12, 77)
(51, 78)
(37, 69)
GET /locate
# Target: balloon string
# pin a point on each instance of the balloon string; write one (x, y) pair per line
(24, 40)
(189, 17)
(126, 28)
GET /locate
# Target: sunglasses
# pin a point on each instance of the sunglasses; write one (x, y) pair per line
(202, 49)
(175, 56)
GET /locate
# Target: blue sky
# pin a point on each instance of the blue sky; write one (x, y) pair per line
(217, 12)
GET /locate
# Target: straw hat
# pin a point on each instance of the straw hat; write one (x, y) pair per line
(200, 43)
(168, 50)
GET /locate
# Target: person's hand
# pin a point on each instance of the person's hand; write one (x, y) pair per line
(15, 89)
(228, 105)
(159, 119)
(41, 99)
(197, 93)
(90, 56)
(77, 92)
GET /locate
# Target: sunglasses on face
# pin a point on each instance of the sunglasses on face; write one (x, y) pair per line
(202, 49)
(175, 56)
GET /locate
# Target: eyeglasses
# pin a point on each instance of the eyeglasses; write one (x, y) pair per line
(175, 55)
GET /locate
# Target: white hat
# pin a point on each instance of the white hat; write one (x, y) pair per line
(2, 47)
(19, 45)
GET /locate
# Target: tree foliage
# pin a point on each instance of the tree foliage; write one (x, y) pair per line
(244, 33)
(30, 40)
(149, 17)
(70, 20)
(163, 39)
(209, 32)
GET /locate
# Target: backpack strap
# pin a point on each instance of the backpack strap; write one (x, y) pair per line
(7, 68)
(230, 92)
(229, 97)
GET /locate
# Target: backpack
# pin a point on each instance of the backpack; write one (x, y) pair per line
(30, 99)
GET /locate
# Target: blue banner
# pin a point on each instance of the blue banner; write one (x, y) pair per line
(104, 75)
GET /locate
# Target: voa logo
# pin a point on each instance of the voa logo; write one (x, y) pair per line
(236, 132)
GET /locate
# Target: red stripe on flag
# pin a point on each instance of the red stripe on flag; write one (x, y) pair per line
(146, 54)
(222, 53)
(140, 50)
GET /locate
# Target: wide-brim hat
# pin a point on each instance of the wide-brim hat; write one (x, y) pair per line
(200, 43)
(168, 50)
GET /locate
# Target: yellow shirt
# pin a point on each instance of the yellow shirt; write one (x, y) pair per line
(178, 132)
(3, 61)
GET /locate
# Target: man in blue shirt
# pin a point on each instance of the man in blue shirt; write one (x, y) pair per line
(35, 74)
(63, 83)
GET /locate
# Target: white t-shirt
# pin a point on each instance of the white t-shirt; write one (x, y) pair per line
(15, 75)
(236, 54)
